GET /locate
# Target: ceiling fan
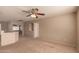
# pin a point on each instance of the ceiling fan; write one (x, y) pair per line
(33, 12)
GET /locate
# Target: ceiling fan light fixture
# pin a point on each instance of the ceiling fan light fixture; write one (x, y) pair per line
(33, 15)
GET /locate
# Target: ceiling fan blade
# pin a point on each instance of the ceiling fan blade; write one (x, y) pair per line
(25, 11)
(40, 14)
(36, 9)
(28, 15)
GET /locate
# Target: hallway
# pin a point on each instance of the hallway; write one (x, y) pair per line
(26, 44)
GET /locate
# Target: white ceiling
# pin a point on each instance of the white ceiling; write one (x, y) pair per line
(14, 13)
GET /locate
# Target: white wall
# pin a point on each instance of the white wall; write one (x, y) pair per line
(36, 30)
(60, 29)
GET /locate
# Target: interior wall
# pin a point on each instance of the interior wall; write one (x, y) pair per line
(60, 29)
(0, 29)
(4, 26)
(26, 29)
(78, 30)
(16, 23)
(36, 30)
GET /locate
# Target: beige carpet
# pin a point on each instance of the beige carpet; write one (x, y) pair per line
(35, 45)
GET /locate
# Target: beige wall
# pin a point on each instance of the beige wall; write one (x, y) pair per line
(78, 30)
(60, 29)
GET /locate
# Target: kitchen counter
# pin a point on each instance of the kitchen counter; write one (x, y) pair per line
(9, 37)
